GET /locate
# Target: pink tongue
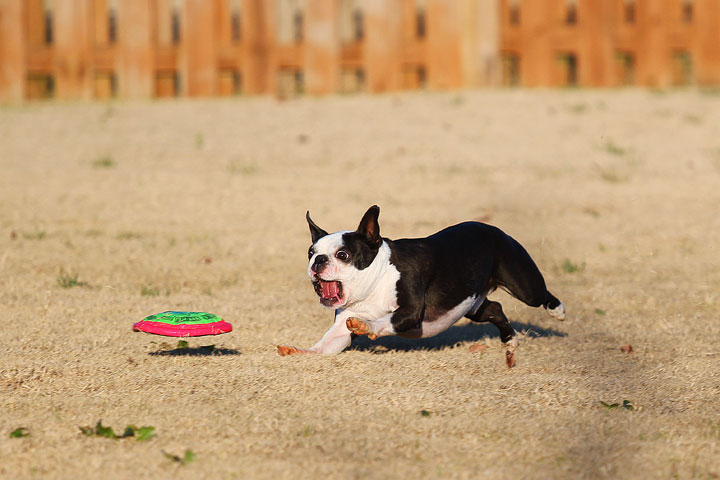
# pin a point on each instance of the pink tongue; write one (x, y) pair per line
(330, 289)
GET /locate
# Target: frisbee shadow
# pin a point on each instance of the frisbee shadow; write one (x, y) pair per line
(201, 351)
(471, 332)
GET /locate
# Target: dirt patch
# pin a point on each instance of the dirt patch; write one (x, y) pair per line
(109, 213)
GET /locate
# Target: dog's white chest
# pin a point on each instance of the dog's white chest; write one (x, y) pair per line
(383, 298)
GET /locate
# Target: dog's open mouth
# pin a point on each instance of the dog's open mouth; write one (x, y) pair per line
(330, 293)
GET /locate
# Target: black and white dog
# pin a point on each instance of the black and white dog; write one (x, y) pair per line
(419, 287)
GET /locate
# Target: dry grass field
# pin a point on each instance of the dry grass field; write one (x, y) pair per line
(109, 213)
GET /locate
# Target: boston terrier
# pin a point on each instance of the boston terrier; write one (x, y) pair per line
(418, 287)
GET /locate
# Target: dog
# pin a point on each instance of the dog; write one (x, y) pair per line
(417, 288)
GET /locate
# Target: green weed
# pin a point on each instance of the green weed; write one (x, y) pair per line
(611, 175)
(149, 291)
(625, 404)
(709, 91)
(36, 235)
(229, 280)
(140, 434)
(199, 141)
(457, 100)
(592, 212)
(455, 169)
(570, 267)
(20, 432)
(68, 280)
(129, 236)
(578, 108)
(188, 457)
(614, 149)
(241, 167)
(600, 311)
(104, 161)
(197, 238)
(307, 431)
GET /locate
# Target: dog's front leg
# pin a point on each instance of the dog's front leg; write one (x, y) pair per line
(403, 321)
(335, 340)
(376, 328)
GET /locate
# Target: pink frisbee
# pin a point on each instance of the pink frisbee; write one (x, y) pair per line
(183, 324)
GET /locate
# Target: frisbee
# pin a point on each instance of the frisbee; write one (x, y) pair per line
(183, 324)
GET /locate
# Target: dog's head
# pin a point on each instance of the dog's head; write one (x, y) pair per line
(339, 262)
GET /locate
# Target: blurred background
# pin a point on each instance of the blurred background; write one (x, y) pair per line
(99, 49)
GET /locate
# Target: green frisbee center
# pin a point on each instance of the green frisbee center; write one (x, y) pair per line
(183, 318)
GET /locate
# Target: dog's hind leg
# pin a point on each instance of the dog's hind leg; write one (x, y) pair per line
(517, 273)
(492, 312)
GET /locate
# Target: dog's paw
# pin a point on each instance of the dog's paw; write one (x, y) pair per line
(285, 350)
(510, 347)
(358, 327)
(510, 358)
(558, 312)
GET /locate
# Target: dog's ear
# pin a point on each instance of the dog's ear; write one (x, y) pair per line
(369, 226)
(316, 232)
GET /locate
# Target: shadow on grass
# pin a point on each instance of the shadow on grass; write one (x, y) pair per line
(207, 350)
(471, 332)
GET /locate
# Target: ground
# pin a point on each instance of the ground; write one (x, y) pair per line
(109, 213)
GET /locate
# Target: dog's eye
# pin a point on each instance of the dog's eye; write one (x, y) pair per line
(310, 253)
(342, 255)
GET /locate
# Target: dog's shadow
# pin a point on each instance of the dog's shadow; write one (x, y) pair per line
(471, 332)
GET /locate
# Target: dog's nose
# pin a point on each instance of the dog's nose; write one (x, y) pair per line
(319, 263)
